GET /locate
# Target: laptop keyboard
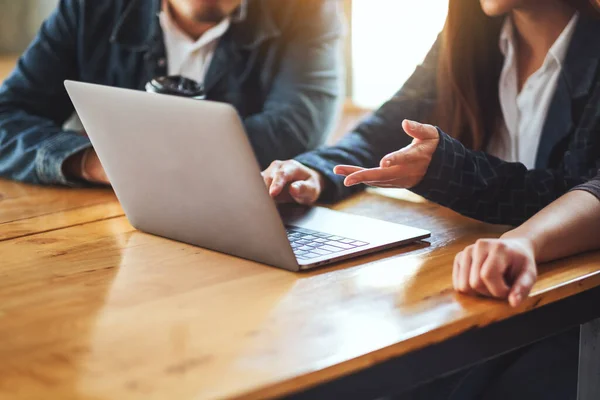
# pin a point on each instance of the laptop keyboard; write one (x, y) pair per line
(309, 244)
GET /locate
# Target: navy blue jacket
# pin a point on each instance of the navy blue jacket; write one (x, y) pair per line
(280, 68)
(474, 183)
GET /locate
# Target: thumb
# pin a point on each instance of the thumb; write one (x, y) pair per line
(304, 192)
(522, 285)
(420, 131)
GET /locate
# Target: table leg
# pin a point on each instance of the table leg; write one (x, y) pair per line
(589, 361)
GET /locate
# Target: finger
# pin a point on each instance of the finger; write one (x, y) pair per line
(455, 270)
(303, 192)
(375, 175)
(420, 131)
(492, 273)
(267, 178)
(268, 181)
(346, 169)
(464, 271)
(480, 254)
(286, 173)
(523, 284)
(274, 166)
(386, 185)
(401, 157)
(277, 183)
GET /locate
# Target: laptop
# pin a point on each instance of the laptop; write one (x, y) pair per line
(184, 169)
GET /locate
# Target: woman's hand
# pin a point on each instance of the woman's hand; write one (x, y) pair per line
(404, 168)
(499, 268)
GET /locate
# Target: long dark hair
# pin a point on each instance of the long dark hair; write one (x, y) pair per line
(469, 69)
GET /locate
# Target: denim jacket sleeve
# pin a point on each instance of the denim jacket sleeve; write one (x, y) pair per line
(34, 104)
(306, 95)
(381, 132)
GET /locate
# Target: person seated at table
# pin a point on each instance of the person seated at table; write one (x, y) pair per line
(516, 84)
(277, 62)
(519, 97)
(506, 268)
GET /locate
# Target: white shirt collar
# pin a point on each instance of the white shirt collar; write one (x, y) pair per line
(525, 112)
(557, 52)
(561, 45)
(507, 36)
(169, 25)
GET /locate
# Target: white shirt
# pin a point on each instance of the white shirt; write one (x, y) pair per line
(185, 56)
(525, 113)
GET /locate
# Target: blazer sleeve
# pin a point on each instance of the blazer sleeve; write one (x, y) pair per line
(381, 132)
(592, 186)
(489, 189)
(307, 92)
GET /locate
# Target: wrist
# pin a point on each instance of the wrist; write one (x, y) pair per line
(525, 239)
(72, 166)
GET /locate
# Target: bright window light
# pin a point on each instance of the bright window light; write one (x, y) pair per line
(389, 39)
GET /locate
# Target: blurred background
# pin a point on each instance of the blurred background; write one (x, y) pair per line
(386, 40)
(20, 20)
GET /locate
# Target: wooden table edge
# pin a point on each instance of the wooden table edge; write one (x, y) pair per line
(502, 312)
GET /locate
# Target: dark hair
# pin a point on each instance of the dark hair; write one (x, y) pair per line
(469, 69)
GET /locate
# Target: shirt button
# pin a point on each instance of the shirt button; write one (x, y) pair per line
(162, 62)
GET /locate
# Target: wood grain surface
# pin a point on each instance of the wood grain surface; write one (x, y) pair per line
(98, 310)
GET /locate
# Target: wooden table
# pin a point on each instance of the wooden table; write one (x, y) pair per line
(92, 309)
